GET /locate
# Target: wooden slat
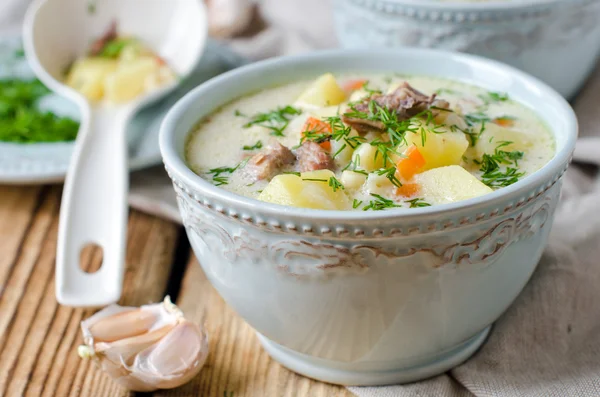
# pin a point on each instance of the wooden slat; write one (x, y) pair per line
(38, 338)
(237, 365)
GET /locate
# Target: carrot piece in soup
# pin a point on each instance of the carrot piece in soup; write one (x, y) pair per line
(316, 126)
(353, 85)
(411, 164)
(407, 189)
(504, 121)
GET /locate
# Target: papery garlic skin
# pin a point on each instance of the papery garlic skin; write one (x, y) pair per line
(147, 348)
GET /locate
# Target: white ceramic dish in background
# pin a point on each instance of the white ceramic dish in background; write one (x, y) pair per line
(42, 163)
(369, 298)
(557, 41)
(94, 202)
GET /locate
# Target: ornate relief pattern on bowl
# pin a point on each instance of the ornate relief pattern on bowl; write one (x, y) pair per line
(526, 37)
(427, 226)
(302, 256)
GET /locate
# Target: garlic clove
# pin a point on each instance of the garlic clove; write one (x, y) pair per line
(123, 325)
(176, 359)
(227, 18)
(125, 350)
(145, 348)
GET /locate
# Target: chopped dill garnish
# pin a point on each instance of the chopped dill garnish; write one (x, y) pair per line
(476, 118)
(493, 97)
(276, 120)
(356, 203)
(314, 180)
(385, 150)
(257, 145)
(335, 184)
(493, 175)
(362, 172)
(471, 132)
(113, 48)
(292, 173)
(390, 174)
(380, 203)
(370, 91)
(237, 113)
(217, 173)
(418, 202)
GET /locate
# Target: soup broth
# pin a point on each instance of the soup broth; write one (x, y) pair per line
(369, 142)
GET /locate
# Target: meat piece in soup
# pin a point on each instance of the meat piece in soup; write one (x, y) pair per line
(312, 157)
(267, 163)
(383, 141)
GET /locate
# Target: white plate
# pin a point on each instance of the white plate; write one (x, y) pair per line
(36, 163)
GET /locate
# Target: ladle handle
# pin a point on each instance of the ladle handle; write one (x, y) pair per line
(94, 210)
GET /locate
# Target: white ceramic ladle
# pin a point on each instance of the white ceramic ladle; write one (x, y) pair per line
(94, 203)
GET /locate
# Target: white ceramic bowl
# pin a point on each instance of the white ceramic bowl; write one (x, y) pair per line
(557, 41)
(369, 298)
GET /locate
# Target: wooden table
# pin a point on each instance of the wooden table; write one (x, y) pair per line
(39, 338)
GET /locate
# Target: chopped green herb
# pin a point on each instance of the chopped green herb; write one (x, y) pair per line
(472, 133)
(237, 113)
(257, 145)
(505, 117)
(380, 203)
(340, 150)
(370, 91)
(314, 180)
(362, 172)
(292, 173)
(356, 203)
(490, 166)
(335, 184)
(418, 202)
(276, 120)
(492, 97)
(19, 53)
(91, 7)
(113, 48)
(477, 118)
(390, 173)
(217, 173)
(20, 119)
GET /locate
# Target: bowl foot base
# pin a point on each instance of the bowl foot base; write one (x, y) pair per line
(314, 368)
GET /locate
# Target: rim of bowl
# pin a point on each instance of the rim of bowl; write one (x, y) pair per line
(491, 5)
(178, 167)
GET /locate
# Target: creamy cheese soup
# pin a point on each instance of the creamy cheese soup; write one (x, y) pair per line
(369, 142)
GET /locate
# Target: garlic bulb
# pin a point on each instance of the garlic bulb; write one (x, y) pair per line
(146, 348)
(226, 18)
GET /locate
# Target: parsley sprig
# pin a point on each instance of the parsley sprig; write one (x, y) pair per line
(21, 120)
(276, 120)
